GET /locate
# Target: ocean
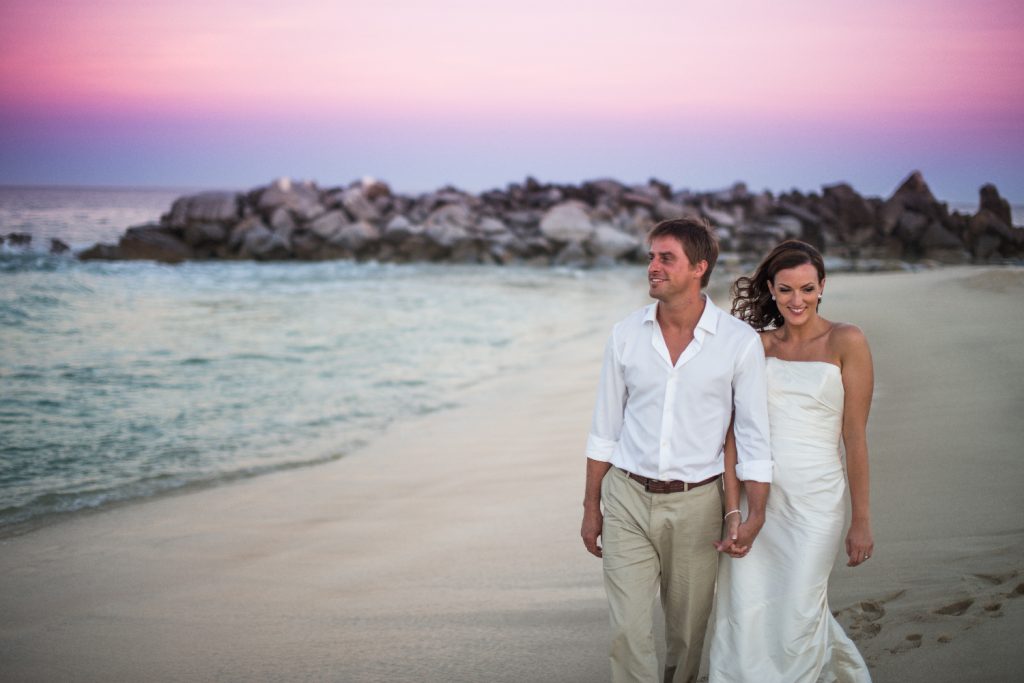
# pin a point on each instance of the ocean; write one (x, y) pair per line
(125, 380)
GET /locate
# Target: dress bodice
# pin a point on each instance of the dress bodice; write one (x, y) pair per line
(805, 405)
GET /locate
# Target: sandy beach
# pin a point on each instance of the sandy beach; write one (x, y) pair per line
(448, 548)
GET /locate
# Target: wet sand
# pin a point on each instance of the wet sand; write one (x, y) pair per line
(448, 549)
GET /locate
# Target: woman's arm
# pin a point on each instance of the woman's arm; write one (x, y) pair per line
(858, 383)
(732, 499)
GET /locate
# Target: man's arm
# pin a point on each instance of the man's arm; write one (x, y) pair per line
(604, 435)
(753, 443)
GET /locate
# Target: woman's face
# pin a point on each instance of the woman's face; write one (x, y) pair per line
(796, 292)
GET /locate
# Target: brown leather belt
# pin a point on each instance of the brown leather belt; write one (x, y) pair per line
(658, 486)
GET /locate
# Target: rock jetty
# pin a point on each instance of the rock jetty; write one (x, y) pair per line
(595, 223)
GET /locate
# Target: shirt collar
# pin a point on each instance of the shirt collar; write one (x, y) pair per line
(708, 319)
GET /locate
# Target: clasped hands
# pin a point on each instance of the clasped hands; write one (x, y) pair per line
(738, 536)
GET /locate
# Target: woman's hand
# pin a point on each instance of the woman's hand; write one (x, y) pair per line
(860, 545)
(729, 534)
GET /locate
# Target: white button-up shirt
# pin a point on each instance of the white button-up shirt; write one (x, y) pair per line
(669, 422)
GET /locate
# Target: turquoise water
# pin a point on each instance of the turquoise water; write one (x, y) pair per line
(124, 380)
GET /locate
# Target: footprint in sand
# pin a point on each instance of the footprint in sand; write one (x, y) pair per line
(1016, 592)
(911, 642)
(872, 610)
(995, 579)
(945, 638)
(993, 609)
(955, 609)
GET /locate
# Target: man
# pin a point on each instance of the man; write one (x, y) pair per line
(675, 374)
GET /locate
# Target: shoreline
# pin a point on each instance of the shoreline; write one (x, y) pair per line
(447, 549)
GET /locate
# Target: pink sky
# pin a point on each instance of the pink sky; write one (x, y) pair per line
(780, 94)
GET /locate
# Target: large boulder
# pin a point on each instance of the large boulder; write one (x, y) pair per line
(567, 222)
(941, 245)
(329, 224)
(449, 226)
(358, 205)
(609, 242)
(198, 234)
(991, 200)
(357, 237)
(100, 252)
(206, 207)
(262, 243)
(852, 219)
(302, 199)
(282, 222)
(400, 228)
(153, 243)
(19, 239)
(989, 237)
(239, 230)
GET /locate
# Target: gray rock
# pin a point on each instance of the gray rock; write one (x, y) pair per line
(356, 237)
(239, 231)
(58, 246)
(911, 226)
(990, 199)
(282, 223)
(573, 255)
(667, 210)
(805, 216)
(261, 243)
(329, 224)
(610, 242)
(491, 226)
(400, 228)
(19, 239)
(100, 252)
(302, 199)
(206, 207)
(449, 225)
(943, 246)
(196, 234)
(357, 204)
(567, 222)
(718, 217)
(153, 243)
(308, 247)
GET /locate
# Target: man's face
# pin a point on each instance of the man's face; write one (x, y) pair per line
(670, 272)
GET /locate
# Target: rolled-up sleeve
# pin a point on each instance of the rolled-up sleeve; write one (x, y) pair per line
(750, 395)
(609, 408)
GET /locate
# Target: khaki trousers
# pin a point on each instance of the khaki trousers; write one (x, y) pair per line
(652, 541)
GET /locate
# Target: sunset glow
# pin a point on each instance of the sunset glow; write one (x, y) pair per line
(778, 94)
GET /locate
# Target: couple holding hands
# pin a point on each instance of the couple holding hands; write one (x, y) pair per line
(715, 453)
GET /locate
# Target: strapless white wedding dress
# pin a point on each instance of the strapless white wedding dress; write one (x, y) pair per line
(772, 620)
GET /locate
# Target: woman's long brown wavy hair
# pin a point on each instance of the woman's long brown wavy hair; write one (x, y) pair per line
(752, 301)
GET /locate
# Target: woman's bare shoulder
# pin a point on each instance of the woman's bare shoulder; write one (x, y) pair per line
(846, 339)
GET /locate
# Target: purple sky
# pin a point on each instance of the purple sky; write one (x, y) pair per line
(479, 94)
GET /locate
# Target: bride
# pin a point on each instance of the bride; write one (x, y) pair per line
(772, 617)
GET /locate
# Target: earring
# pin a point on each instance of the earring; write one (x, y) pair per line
(773, 297)
(819, 298)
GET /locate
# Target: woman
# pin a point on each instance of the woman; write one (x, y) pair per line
(773, 621)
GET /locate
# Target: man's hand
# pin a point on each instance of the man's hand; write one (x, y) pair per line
(591, 528)
(747, 532)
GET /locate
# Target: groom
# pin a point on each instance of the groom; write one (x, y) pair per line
(675, 373)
